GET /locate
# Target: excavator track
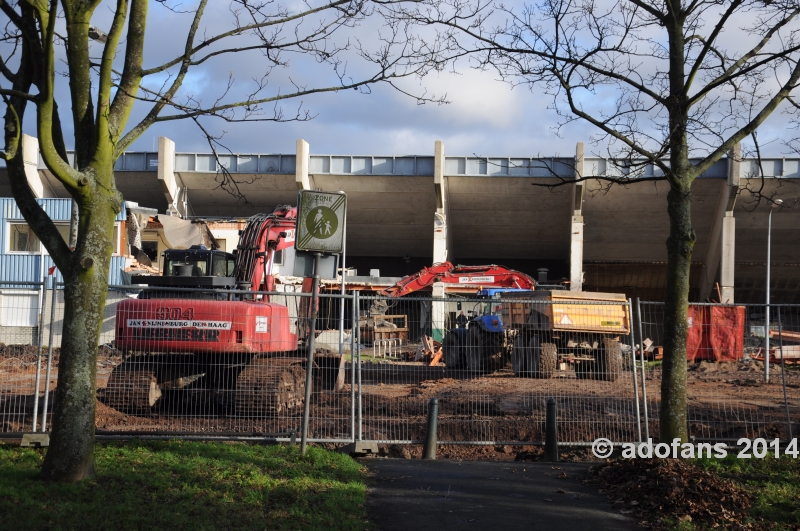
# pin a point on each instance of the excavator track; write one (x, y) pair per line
(270, 386)
(132, 388)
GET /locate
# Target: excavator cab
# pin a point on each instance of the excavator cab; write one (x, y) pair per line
(197, 261)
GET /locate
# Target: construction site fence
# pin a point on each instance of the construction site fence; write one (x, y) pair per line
(491, 363)
(743, 369)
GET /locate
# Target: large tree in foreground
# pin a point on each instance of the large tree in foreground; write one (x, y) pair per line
(47, 45)
(660, 80)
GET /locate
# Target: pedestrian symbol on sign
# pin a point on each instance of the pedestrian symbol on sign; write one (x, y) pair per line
(321, 218)
(322, 222)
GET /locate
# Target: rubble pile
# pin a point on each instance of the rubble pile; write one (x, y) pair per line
(142, 269)
(651, 489)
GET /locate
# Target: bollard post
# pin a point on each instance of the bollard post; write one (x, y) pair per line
(551, 432)
(429, 450)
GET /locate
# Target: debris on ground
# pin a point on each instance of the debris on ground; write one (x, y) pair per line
(663, 492)
(430, 351)
(140, 266)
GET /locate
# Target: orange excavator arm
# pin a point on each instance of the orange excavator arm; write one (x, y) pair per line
(488, 276)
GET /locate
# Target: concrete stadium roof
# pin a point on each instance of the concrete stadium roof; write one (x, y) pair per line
(494, 214)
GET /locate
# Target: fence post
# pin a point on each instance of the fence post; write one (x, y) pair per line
(551, 432)
(49, 355)
(633, 370)
(43, 303)
(310, 354)
(358, 370)
(37, 386)
(353, 331)
(429, 450)
(783, 371)
(644, 372)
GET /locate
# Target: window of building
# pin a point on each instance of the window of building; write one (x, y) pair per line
(150, 248)
(116, 237)
(23, 240)
(19, 309)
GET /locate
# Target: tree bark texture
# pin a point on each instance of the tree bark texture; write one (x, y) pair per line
(71, 453)
(672, 415)
(681, 240)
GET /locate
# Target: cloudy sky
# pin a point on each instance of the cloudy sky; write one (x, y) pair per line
(484, 116)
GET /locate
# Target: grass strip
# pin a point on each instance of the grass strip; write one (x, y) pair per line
(187, 485)
(773, 483)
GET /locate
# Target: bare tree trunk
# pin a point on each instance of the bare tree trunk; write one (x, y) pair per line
(71, 453)
(679, 249)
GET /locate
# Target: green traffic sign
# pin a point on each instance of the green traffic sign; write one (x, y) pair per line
(320, 221)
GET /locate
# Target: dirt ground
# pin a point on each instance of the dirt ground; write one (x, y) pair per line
(727, 400)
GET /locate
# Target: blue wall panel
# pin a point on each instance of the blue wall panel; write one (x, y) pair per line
(33, 267)
(26, 268)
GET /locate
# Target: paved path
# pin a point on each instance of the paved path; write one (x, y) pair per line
(414, 495)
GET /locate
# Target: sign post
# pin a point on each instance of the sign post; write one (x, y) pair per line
(321, 218)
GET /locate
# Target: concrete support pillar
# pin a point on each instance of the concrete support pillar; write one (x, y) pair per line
(441, 233)
(30, 156)
(302, 178)
(576, 225)
(728, 261)
(438, 312)
(722, 239)
(170, 182)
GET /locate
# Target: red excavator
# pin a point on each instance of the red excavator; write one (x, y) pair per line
(218, 342)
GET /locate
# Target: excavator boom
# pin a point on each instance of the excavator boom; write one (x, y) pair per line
(494, 276)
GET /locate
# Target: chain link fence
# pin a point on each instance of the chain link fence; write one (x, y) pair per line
(227, 364)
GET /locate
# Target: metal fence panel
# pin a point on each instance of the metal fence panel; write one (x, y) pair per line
(21, 358)
(155, 378)
(218, 362)
(492, 384)
(728, 395)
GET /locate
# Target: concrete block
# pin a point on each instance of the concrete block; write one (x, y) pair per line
(35, 440)
(329, 339)
(360, 448)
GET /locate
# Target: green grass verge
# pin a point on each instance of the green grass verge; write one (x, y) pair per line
(187, 485)
(774, 483)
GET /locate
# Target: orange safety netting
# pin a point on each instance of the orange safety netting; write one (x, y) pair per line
(716, 333)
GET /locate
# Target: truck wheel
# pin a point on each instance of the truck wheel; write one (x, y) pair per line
(522, 355)
(608, 364)
(548, 358)
(453, 351)
(532, 360)
(474, 351)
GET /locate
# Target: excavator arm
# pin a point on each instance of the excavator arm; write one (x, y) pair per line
(488, 276)
(263, 235)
